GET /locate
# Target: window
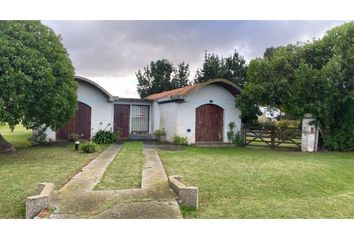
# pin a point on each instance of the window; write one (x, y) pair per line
(140, 119)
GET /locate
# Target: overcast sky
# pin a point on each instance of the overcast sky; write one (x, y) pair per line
(110, 52)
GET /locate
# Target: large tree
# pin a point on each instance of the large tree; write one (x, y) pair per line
(161, 76)
(315, 77)
(232, 68)
(37, 85)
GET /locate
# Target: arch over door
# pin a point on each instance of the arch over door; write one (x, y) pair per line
(79, 124)
(209, 123)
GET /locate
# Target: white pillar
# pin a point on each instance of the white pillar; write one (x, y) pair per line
(309, 134)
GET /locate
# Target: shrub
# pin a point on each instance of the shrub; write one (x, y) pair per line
(73, 137)
(160, 134)
(105, 137)
(234, 137)
(231, 132)
(2, 124)
(39, 137)
(287, 123)
(89, 147)
(180, 140)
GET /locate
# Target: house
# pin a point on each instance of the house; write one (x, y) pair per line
(200, 112)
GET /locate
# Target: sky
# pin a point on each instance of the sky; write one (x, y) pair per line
(111, 52)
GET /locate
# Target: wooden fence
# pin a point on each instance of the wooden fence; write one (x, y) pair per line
(272, 137)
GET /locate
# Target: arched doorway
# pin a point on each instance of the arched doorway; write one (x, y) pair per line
(79, 124)
(209, 123)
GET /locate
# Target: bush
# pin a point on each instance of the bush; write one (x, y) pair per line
(89, 147)
(2, 124)
(180, 140)
(105, 137)
(160, 132)
(234, 137)
(73, 137)
(288, 124)
(39, 137)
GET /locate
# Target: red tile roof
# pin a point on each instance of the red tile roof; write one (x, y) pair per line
(184, 91)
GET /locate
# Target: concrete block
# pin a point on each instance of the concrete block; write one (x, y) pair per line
(188, 196)
(35, 204)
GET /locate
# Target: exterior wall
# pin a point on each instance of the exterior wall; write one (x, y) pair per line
(101, 109)
(220, 96)
(168, 119)
(132, 102)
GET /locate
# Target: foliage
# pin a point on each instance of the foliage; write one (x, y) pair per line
(180, 140)
(285, 123)
(232, 68)
(37, 85)
(39, 136)
(160, 132)
(105, 137)
(233, 136)
(314, 77)
(73, 137)
(2, 124)
(181, 75)
(231, 132)
(161, 76)
(89, 147)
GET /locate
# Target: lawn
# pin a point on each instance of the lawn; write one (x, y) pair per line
(21, 171)
(262, 183)
(18, 138)
(125, 170)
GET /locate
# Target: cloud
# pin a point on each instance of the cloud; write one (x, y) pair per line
(110, 52)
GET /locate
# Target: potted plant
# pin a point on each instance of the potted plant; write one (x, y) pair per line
(160, 135)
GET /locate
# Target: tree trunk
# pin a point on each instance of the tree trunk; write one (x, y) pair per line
(5, 146)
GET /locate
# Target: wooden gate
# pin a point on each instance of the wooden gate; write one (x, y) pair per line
(80, 124)
(272, 137)
(122, 119)
(209, 123)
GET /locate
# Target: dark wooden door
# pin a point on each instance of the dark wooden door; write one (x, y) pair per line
(122, 119)
(79, 124)
(209, 123)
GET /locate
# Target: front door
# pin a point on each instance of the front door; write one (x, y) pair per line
(209, 123)
(122, 119)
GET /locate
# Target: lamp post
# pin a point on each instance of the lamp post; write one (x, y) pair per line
(77, 144)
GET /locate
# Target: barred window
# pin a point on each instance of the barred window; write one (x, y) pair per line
(140, 118)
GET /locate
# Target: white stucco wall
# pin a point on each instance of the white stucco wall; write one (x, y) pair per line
(168, 119)
(101, 110)
(176, 118)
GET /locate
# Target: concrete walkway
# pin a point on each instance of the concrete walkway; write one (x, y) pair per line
(155, 199)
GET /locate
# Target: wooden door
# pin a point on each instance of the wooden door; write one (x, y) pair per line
(122, 119)
(79, 124)
(209, 124)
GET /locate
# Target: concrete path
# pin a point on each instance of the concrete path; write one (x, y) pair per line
(154, 200)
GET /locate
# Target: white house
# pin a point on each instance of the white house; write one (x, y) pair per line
(200, 112)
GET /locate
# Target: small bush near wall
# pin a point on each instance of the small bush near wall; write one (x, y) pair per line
(89, 147)
(180, 140)
(105, 137)
(160, 134)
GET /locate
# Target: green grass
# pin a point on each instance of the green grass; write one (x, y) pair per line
(125, 170)
(22, 171)
(261, 183)
(18, 138)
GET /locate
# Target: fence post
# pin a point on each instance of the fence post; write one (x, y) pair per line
(272, 137)
(309, 134)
